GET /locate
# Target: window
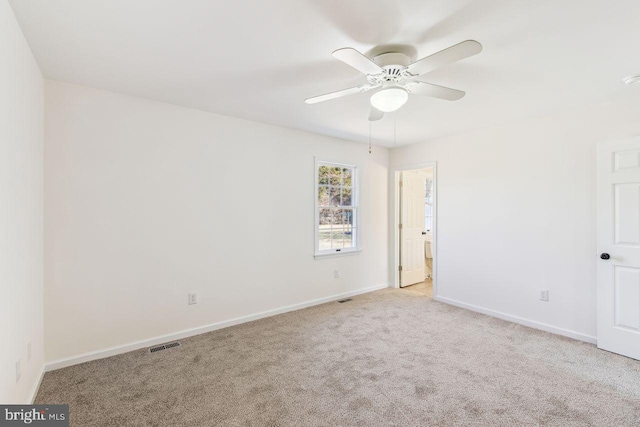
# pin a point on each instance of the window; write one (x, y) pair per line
(428, 208)
(336, 208)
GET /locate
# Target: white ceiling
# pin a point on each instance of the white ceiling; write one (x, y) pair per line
(260, 59)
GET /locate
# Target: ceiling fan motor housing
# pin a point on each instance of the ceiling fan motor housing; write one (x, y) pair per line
(394, 66)
(392, 58)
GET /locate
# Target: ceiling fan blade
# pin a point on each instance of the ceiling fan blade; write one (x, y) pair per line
(339, 94)
(447, 56)
(435, 91)
(352, 57)
(375, 114)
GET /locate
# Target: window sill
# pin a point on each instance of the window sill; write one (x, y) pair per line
(337, 254)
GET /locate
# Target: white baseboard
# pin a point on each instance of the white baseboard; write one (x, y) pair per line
(36, 386)
(100, 354)
(519, 320)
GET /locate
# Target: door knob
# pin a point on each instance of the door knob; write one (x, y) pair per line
(605, 255)
(424, 233)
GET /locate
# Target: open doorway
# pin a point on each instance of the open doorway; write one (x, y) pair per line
(415, 237)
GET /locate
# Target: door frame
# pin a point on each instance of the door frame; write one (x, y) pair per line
(396, 221)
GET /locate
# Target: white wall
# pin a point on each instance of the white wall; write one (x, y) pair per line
(516, 213)
(146, 202)
(21, 235)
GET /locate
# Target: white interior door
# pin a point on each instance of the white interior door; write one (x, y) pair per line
(619, 246)
(413, 187)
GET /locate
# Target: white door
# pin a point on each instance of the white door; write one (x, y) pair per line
(413, 187)
(619, 247)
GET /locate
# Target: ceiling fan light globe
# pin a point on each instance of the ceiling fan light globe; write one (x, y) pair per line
(389, 99)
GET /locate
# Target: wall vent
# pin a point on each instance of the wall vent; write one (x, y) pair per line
(164, 346)
(344, 300)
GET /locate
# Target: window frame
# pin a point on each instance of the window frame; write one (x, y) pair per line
(355, 206)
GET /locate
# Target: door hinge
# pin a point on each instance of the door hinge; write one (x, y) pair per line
(399, 268)
(400, 183)
(400, 226)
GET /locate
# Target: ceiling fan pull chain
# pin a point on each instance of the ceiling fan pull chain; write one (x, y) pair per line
(369, 137)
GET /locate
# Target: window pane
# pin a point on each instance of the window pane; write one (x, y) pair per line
(323, 196)
(334, 175)
(346, 196)
(337, 239)
(346, 177)
(349, 238)
(349, 217)
(334, 196)
(326, 218)
(324, 240)
(323, 175)
(428, 223)
(343, 217)
(342, 238)
(427, 210)
(429, 190)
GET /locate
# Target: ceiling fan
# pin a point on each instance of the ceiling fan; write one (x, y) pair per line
(395, 74)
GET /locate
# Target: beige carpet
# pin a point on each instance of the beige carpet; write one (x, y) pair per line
(389, 358)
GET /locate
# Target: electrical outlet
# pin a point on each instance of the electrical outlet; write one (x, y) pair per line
(193, 298)
(18, 373)
(29, 350)
(336, 274)
(544, 295)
